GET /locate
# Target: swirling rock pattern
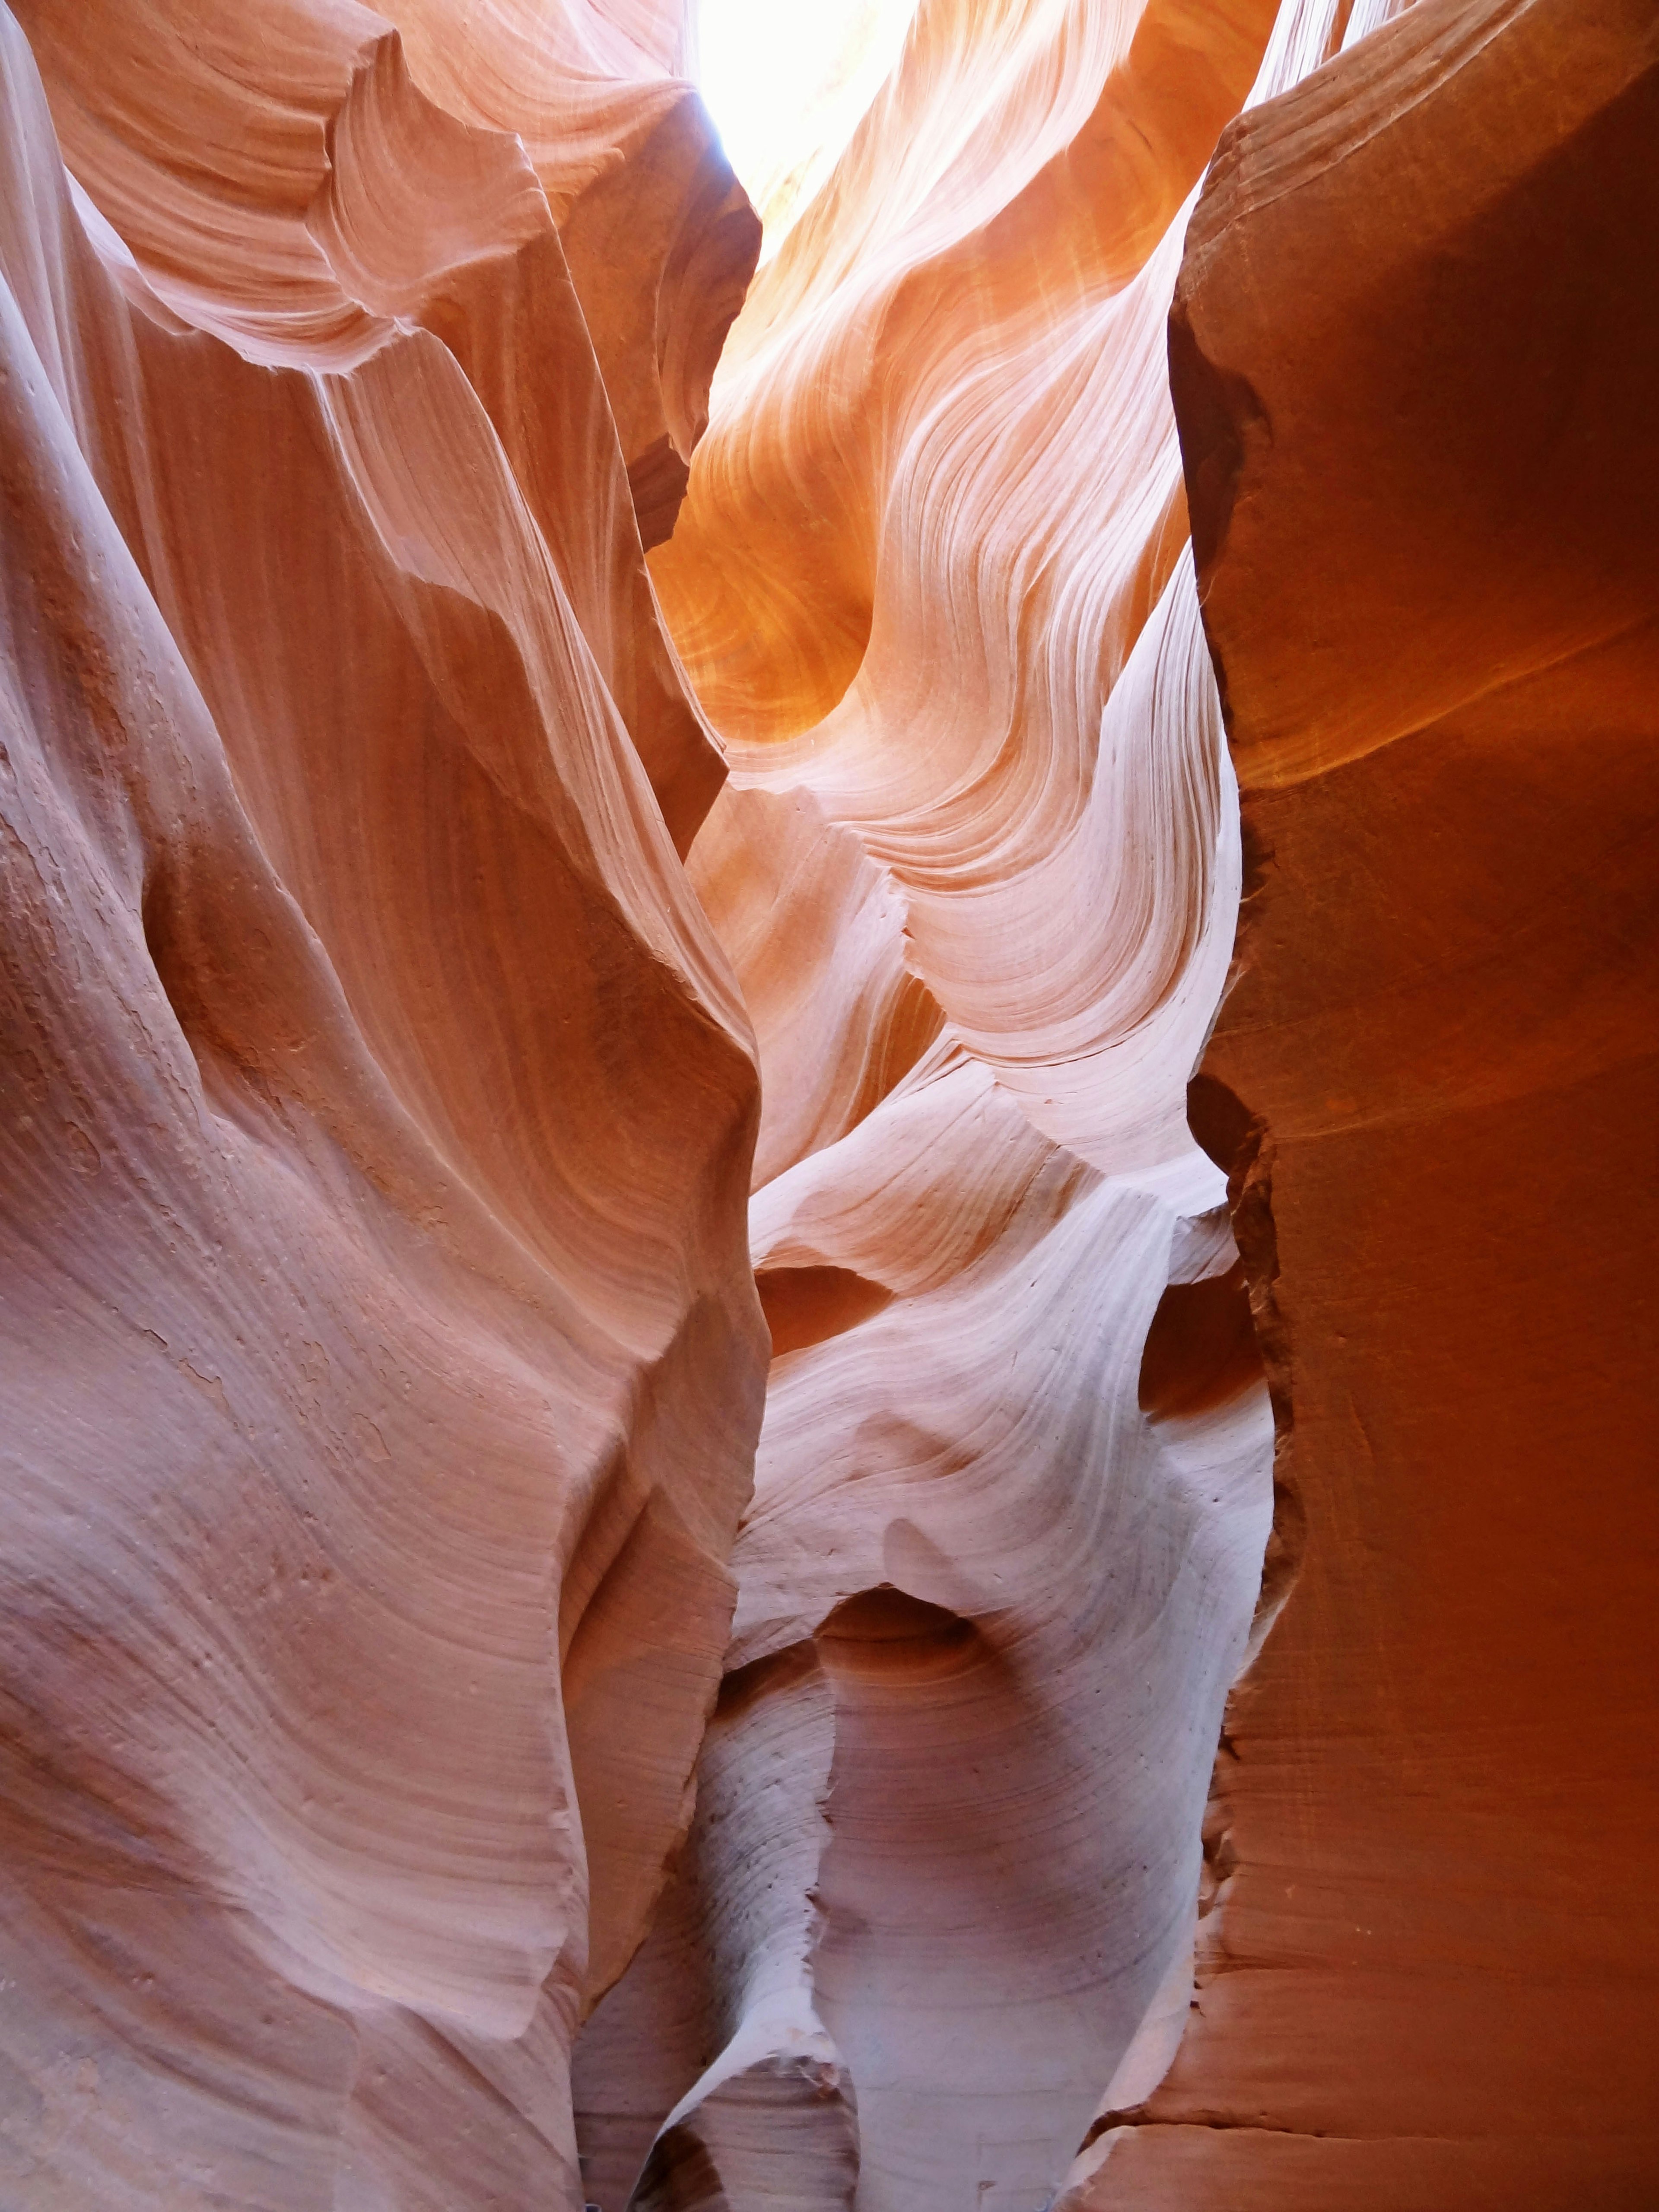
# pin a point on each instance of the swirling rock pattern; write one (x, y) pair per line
(535, 864)
(977, 870)
(384, 1362)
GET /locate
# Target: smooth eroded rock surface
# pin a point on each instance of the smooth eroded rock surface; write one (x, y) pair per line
(578, 806)
(976, 868)
(383, 1360)
(1415, 366)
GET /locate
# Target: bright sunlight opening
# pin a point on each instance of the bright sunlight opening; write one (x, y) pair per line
(787, 81)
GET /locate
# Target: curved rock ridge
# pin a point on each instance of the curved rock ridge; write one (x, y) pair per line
(931, 570)
(384, 1364)
(977, 868)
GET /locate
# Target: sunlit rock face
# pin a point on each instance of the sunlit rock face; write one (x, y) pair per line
(976, 866)
(534, 878)
(383, 1359)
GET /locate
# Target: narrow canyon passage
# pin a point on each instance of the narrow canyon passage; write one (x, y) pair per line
(829, 1011)
(976, 867)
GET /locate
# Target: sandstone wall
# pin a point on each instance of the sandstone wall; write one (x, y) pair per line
(383, 1362)
(557, 842)
(1414, 368)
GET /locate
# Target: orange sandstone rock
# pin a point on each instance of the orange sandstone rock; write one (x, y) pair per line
(401, 900)
(975, 866)
(1414, 361)
(383, 1355)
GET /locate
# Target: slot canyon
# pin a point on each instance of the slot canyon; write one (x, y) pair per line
(830, 1135)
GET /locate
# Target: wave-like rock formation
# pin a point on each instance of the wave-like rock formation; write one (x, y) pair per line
(976, 866)
(384, 1360)
(552, 836)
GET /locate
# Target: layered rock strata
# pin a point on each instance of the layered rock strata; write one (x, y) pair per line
(977, 871)
(383, 1356)
(499, 928)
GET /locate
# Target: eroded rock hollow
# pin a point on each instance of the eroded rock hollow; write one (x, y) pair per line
(828, 1081)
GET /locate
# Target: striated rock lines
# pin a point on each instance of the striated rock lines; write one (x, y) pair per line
(826, 1162)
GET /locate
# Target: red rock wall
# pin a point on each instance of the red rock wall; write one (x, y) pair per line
(1414, 369)
(975, 866)
(532, 862)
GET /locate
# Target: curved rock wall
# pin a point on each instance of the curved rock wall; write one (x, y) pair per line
(535, 864)
(383, 1359)
(976, 867)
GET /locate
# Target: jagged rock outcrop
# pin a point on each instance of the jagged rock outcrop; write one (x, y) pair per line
(383, 1357)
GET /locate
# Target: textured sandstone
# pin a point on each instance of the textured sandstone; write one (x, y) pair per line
(383, 1362)
(489, 799)
(1415, 366)
(975, 866)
